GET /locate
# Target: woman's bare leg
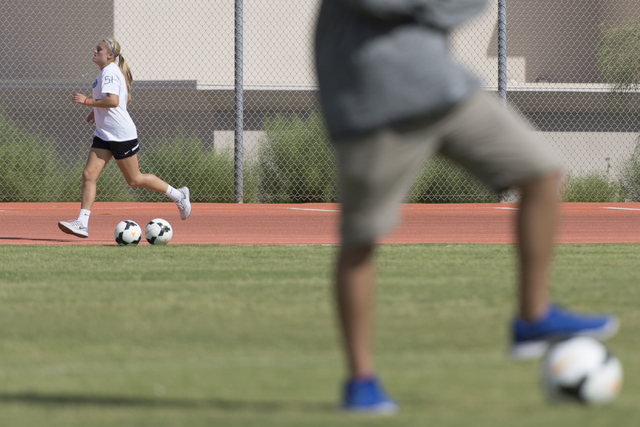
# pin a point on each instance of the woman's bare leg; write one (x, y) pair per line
(131, 171)
(98, 159)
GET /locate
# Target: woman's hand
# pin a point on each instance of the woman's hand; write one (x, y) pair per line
(90, 118)
(79, 98)
(110, 101)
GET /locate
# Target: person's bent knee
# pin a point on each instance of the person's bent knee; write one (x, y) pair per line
(89, 176)
(547, 184)
(359, 248)
(135, 182)
(546, 179)
(354, 254)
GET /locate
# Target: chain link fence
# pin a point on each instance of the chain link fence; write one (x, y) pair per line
(570, 67)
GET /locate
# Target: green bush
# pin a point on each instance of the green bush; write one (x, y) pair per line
(619, 55)
(297, 164)
(619, 64)
(592, 187)
(296, 161)
(110, 187)
(443, 181)
(629, 175)
(182, 161)
(179, 161)
(29, 165)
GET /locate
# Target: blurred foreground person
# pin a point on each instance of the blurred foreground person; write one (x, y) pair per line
(392, 97)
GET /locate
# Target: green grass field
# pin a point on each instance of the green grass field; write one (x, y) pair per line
(245, 335)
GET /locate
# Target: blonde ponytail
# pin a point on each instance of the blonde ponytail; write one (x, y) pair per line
(122, 63)
(126, 71)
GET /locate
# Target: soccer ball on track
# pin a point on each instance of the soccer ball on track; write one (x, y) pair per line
(158, 232)
(581, 369)
(127, 233)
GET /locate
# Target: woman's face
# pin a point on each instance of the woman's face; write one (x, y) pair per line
(102, 54)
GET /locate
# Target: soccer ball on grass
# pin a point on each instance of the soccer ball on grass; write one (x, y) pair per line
(158, 232)
(127, 232)
(581, 369)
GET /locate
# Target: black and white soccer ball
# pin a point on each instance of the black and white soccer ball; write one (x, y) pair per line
(127, 232)
(158, 232)
(581, 369)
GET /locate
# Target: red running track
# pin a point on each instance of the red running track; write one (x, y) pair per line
(312, 224)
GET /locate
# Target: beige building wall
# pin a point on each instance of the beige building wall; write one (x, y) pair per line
(194, 40)
(279, 42)
(584, 152)
(39, 45)
(548, 40)
(177, 39)
(557, 39)
(469, 45)
(187, 40)
(618, 12)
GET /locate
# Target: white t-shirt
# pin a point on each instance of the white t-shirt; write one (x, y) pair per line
(113, 124)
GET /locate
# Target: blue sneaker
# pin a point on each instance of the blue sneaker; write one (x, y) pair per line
(367, 396)
(531, 340)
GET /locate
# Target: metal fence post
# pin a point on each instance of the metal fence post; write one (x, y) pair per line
(239, 106)
(502, 65)
(502, 51)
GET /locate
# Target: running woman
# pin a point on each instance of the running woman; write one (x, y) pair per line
(116, 136)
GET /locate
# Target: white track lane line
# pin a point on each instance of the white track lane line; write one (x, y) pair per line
(621, 209)
(315, 210)
(509, 209)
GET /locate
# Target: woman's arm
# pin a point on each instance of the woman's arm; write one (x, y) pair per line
(109, 101)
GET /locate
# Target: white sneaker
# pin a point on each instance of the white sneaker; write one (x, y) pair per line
(74, 227)
(184, 205)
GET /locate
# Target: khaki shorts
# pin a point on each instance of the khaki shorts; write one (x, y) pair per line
(376, 171)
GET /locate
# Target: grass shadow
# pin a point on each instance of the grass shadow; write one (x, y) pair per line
(34, 398)
(36, 240)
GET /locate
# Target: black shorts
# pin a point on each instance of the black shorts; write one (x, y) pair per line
(119, 149)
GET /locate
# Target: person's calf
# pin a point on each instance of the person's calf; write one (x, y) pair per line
(536, 228)
(354, 290)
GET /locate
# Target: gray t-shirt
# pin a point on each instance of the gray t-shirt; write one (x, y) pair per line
(382, 63)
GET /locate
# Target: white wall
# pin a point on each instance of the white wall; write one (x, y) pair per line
(177, 39)
(194, 40)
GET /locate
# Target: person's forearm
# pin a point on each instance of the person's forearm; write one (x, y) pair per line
(106, 102)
